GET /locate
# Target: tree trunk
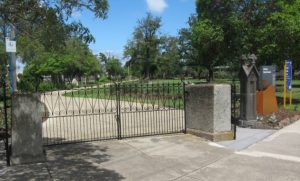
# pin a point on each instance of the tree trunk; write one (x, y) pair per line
(147, 64)
(210, 74)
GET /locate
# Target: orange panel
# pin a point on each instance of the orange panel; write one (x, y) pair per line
(266, 102)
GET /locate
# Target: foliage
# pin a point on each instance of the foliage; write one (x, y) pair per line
(279, 38)
(114, 68)
(208, 52)
(222, 31)
(43, 30)
(74, 61)
(143, 49)
(168, 62)
(150, 54)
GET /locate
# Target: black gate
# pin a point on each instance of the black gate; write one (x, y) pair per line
(235, 108)
(113, 111)
(5, 117)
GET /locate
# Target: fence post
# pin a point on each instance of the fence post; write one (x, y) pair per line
(208, 111)
(27, 142)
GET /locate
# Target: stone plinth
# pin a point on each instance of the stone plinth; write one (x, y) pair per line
(27, 144)
(208, 111)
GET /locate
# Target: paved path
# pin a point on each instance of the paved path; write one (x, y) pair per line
(175, 157)
(246, 137)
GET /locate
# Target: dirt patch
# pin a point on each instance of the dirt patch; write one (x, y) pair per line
(277, 120)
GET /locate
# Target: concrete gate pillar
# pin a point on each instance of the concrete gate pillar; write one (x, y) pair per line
(208, 111)
(27, 143)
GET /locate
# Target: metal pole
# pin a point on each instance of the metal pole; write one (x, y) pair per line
(234, 110)
(184, 105)
(12, 63)
(284, 86)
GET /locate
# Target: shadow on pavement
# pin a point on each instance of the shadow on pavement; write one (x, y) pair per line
(80, 162)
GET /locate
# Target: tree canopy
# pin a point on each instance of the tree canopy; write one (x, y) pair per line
(48, 42)
(142, 50)
(222, 31)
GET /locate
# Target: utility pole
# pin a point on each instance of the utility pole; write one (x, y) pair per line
(12, 62)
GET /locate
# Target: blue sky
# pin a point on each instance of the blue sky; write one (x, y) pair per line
(113, 33)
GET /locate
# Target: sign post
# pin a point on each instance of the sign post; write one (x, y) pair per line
(284, 86)
(10, 45)
(11, 49)
(288, 69)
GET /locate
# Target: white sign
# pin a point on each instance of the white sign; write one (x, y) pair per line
(10, 45)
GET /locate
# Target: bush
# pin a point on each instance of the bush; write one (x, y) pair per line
(103, 80)
(222, 75)
(46, 86)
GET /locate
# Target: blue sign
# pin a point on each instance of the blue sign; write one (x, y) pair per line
(289, 74)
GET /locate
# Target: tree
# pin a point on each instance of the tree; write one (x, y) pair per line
(200, 45)
(73, 61)
(168, 62)
(45, 21)
(143, 49)
(279, 38)
(114, 68)
(267, 28)
(208, 40)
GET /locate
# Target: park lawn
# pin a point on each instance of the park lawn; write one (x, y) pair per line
(295, 93)
(151, 88)
(163, 94)
(295, 89)
(294, 82)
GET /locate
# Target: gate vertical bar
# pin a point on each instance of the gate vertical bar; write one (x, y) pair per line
(118, 103)
(233, 109)
(184, 106)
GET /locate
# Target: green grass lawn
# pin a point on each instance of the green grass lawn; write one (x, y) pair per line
(164, 94)
(295, 89)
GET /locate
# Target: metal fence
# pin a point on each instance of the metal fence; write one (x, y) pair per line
(113, 111)
(235, 107)
(5, 119)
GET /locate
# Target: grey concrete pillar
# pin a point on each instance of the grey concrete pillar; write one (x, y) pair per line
(208, 111)
(27, 144)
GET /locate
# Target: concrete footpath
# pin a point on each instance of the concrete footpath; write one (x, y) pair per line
(174, 157)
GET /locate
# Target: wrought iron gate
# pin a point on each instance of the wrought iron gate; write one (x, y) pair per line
(113, 111)
(5, 117)
(235, 109)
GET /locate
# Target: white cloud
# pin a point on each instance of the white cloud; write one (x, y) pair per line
(157, 5)
(76, 14)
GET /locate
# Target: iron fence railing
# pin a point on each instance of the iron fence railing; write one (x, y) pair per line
(235, 107)
(5, 117)
(112, 111)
